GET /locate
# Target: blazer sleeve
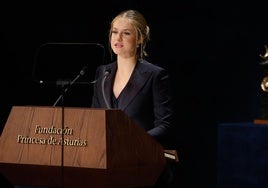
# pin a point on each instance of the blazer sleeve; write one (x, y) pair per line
(163, 106)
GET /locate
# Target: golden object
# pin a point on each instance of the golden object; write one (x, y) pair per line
(265, 56)
(264, 84)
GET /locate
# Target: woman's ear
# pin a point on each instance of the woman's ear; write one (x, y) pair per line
(139, 42)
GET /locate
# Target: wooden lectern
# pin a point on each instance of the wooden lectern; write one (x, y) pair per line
(94, 148)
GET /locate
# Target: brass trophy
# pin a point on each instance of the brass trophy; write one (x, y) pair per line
(264, 83)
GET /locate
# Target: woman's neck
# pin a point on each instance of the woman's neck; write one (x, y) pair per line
(126, 66)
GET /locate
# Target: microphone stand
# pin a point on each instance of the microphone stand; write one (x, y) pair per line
(65, 85)
(63, 91)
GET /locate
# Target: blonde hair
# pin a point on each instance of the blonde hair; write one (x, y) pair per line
(141, 27)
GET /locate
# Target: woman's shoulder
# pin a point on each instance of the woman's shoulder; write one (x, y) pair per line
(150, 66)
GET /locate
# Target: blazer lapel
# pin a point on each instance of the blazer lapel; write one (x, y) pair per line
(134, 85)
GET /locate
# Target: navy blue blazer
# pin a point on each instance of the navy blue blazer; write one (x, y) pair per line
(146, 98)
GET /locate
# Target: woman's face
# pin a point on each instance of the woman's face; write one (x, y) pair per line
(123, 38)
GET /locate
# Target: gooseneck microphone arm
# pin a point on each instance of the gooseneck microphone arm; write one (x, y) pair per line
(63, 83)
(106, 73)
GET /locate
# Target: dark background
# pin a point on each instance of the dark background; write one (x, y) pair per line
(210, 48)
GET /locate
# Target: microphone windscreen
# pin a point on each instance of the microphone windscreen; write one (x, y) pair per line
(83, 71)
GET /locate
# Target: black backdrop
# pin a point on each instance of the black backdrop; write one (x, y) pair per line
(211, 50)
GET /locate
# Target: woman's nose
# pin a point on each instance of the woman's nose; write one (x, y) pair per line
(120, 36)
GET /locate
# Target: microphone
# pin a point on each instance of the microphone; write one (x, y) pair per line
(106, 73)
(83, 71)
(70, 83)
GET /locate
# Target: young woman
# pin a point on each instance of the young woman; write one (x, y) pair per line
(130, 83)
